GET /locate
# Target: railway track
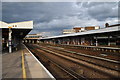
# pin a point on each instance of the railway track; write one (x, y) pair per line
(100, 69)
(108, 52)
(93, 51)
(60, 70)
(107, 63)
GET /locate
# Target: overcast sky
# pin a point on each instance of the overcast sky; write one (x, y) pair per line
(50, 18)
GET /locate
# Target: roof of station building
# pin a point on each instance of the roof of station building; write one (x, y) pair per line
(17, 25)
(102, 30)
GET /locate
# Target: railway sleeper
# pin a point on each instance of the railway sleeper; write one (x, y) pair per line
(76, 61)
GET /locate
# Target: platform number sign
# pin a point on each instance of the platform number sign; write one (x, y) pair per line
(12, 26)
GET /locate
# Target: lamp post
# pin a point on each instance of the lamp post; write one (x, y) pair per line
(10, 39)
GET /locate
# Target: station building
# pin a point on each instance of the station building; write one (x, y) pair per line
(108, 36)
(77, 29)
(68, 31)
(32, 38)
(13, 33)
(82, 29)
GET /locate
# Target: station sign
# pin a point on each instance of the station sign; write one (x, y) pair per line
(12, 26)
(9, 27)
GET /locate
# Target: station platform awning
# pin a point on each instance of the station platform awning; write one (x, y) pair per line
(19, 29)
(13, 33)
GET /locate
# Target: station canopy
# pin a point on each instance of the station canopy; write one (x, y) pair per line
(19, 29)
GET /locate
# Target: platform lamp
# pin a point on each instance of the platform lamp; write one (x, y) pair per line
(10, 39)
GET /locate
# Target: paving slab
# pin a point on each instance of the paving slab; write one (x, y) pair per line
(12, 65)
(37, 70)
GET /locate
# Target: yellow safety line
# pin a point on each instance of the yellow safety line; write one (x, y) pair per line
(23, 66)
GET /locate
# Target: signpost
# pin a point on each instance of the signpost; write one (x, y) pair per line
(10, 39)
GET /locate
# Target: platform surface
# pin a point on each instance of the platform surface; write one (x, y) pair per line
(12, 65)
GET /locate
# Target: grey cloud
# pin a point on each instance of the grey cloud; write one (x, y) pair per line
(104, 11)
(99, 10)
(44, 11)
(53, 17)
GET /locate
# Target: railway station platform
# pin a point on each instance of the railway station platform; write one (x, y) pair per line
(23, 64)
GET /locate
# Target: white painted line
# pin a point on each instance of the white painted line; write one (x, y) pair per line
(41, 64)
